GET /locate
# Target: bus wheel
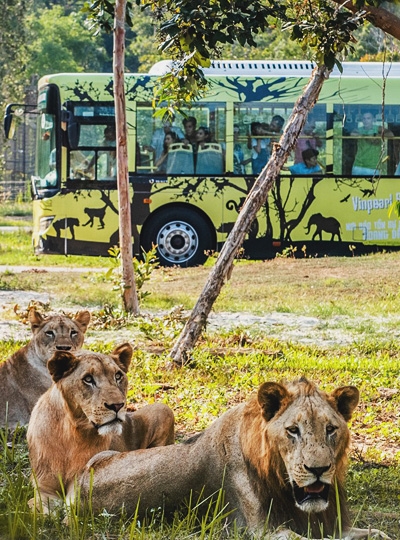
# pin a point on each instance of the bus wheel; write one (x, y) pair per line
(182, 237)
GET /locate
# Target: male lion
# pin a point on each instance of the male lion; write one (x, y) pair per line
(280, 458)
(24, 376)
(84, 412)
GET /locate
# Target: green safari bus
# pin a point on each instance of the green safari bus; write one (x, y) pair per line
(189, 176)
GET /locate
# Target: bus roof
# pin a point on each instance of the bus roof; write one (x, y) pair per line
(286, 68)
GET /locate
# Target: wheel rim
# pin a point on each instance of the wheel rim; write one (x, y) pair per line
(177, 241)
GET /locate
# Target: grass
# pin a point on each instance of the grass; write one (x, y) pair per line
(222, 377)
(16, 213)
(357, 297)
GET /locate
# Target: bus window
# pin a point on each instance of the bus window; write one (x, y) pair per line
(194, 141)
(256, 127)
(95, 158)
(92, 152)
(366, 143)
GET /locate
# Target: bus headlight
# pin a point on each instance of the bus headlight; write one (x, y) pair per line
(45, 223)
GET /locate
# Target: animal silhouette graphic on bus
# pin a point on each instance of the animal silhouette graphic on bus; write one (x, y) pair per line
(327, 224)
(66, 223)
(93, 213)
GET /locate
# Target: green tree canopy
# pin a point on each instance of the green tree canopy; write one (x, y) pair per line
(60, 42)
(12, 46)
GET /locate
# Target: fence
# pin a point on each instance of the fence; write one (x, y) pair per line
(18, 158)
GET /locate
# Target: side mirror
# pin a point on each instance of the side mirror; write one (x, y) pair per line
(9, 123)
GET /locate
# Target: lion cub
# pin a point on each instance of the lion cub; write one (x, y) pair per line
(83, 413)
(24, 377)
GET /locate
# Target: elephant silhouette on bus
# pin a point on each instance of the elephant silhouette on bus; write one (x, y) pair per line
(328, 224)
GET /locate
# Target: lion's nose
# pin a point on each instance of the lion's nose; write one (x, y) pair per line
(114, 406)
(317, 471)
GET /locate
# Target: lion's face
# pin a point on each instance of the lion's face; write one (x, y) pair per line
(94, 386)
(57, 333)
(309, 430)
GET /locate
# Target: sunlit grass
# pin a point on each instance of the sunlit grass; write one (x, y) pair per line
(226, 369)
(16, 249)
(356, 296)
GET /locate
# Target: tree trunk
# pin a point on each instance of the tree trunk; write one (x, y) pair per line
(254, 201)
(129, 295)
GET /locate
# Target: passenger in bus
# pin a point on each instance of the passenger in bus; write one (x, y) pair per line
(260, 147)
(274, 130)
(161, 163)
(209, 155)
(157, 140)
(239, 163)
(189, 127)
(275, 126)
(109, 139)
(369, 156)
(309, 165)
(203, 136)
(308, 139)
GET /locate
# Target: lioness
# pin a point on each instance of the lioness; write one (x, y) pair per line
(84, 412)
(279, 458)
(24, 376)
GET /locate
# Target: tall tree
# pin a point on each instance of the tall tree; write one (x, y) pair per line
(129, 295)
(13, 53)
(112, 17)
(60, 42)
(223, 267)
(12, 47)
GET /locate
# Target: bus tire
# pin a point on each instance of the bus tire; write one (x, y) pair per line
(182, 236)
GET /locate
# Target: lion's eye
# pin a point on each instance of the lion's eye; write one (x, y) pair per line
(118, 376)
(330, 429)
(88, 379)
(49, 333)
(293, 430)
(74, 333)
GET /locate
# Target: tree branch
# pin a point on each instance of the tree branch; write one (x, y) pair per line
(379, 17)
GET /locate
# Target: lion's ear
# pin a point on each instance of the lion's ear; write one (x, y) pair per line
(346, 399)
(83, 319)
(123, 354)
(35, 318)
(61, 364)
(271, 396)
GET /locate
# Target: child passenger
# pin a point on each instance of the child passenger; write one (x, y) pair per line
(309, 164)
